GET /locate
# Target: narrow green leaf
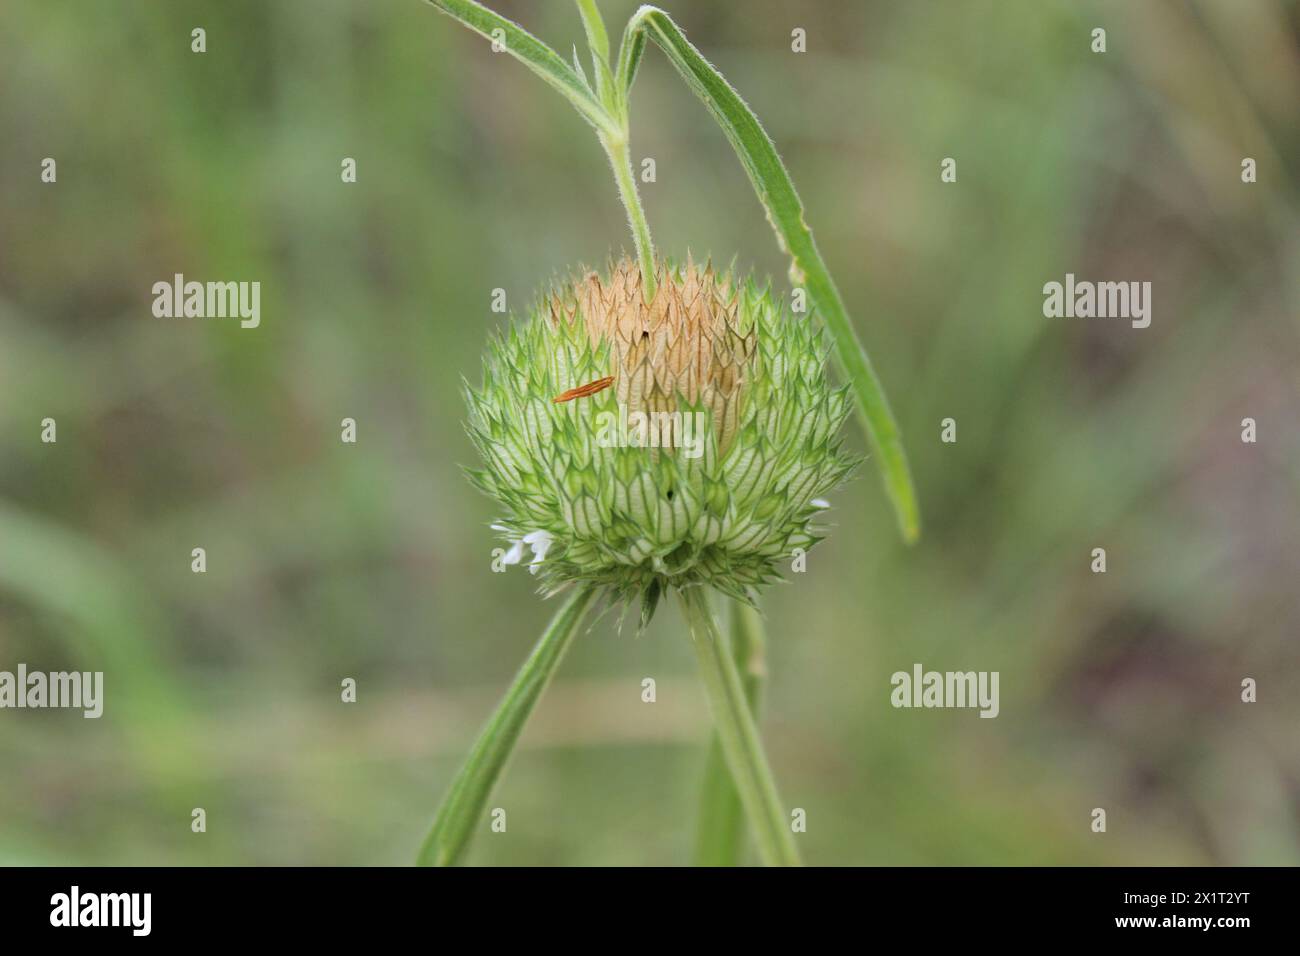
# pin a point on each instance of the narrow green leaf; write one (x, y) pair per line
(607, 90)
(630, 51)
(461, 813)
(577, 68)
(592, 22)
(785, 211)
(536, 55)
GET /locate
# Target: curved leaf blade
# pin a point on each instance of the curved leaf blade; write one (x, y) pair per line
(592, 22)
(785, 211)
(535, 55)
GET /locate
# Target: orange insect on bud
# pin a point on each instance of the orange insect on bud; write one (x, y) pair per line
(582, 391)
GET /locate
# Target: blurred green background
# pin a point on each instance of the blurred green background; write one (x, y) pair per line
(372, 560)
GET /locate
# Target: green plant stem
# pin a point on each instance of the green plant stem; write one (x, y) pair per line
(461, 812)
(621, 161)
(738, 735)
(719, 840)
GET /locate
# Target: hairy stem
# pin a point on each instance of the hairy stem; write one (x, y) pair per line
(621, 161)
(738, 735)
(462, 808)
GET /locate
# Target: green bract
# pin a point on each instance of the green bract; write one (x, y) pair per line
(697, 454)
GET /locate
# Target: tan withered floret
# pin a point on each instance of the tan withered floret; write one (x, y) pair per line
(685, 344)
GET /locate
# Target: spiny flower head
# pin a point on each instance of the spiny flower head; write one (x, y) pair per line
(683, 441)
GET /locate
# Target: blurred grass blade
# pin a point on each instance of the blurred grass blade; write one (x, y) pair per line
(534, 54)
(720, 838)
(786, 213)
(462, 809)
(111, 623)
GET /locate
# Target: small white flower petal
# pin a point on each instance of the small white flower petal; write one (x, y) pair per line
(540, 542)
(820, 503)
(515, 554)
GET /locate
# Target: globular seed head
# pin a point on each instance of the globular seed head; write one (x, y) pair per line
(685, 440)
